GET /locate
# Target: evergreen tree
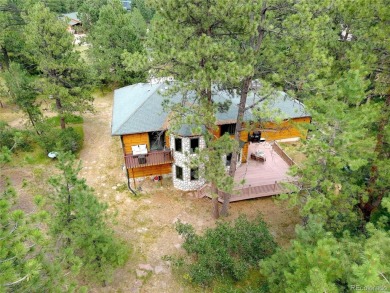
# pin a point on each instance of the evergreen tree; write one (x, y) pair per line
(65, 76)
(188, 41)
(11, 28)
(112, 34)
(318, 261)
(146, 10)
(25, 263)
(89, 12)
(20, 88)
(79, 225)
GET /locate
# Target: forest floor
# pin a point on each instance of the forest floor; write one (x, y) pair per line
(145, 222)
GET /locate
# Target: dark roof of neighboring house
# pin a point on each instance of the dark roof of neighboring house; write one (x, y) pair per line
(138, 108)
(73, 18)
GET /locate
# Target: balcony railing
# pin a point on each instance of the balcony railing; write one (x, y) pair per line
(152, 158)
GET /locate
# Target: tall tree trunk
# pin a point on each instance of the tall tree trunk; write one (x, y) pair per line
(214, 192)
(245, 85)
(60, 110)
(31, 118)
(375, 194)
(5, 57)
(240, 119)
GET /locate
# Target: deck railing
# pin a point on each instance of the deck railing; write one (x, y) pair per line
(152, 158)
(276, 147)
(250, 192)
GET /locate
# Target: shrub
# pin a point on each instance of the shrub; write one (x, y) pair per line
(69, 140)
(9, 136)
(53, 138)
(227, 250)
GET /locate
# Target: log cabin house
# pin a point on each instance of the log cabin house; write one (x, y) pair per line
(139, 119)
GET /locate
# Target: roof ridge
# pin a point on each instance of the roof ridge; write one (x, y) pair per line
(140, 106)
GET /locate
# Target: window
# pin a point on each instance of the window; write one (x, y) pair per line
(178, 147)
(194, 174)
(179, 172)
(229, 128)
(194, 144)
(228, 159)
(156, 140)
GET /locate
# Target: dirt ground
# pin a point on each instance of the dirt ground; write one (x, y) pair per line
(145, 221)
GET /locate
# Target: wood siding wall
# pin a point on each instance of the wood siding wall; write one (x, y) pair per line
(150, 171)
(286, 129)
(273, 131)
(135, 139)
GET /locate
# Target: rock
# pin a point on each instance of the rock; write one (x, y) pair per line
(141, 273)
(145, 267)
(136, 287)
(177, 245)
(114, 187)
(142, 230)
(159, 269)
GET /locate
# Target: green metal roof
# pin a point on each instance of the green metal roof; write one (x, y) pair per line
(138, 108)
(73, 18)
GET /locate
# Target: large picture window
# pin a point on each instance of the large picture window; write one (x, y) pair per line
(229, 128)
(178, 145)
(156, 140)
(179, 172)
(194, 144)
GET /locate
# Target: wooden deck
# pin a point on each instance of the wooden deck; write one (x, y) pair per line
(259, 178)
(152, 158)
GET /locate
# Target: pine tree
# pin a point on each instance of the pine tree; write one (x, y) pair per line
(79, 225)
(27, 260)
(20, 88)
(65, 76)
(188, 41)
(112, 34)
(318, 261)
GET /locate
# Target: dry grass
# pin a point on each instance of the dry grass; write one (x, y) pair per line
(294, 150)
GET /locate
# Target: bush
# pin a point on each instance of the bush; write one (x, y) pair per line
(61, 140)
(227, 250)
(9, 136)
(69, 140)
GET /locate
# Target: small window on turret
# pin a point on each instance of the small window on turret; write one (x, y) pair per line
(178, 146)
(194, 144)
(179, 172)
(194, 174)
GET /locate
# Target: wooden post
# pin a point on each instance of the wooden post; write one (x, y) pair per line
(132, 170)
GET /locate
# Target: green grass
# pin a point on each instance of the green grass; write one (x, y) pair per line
(37, 156)
(69, 119)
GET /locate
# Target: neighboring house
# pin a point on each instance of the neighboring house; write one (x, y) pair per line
(140, 121)
(73, 21)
